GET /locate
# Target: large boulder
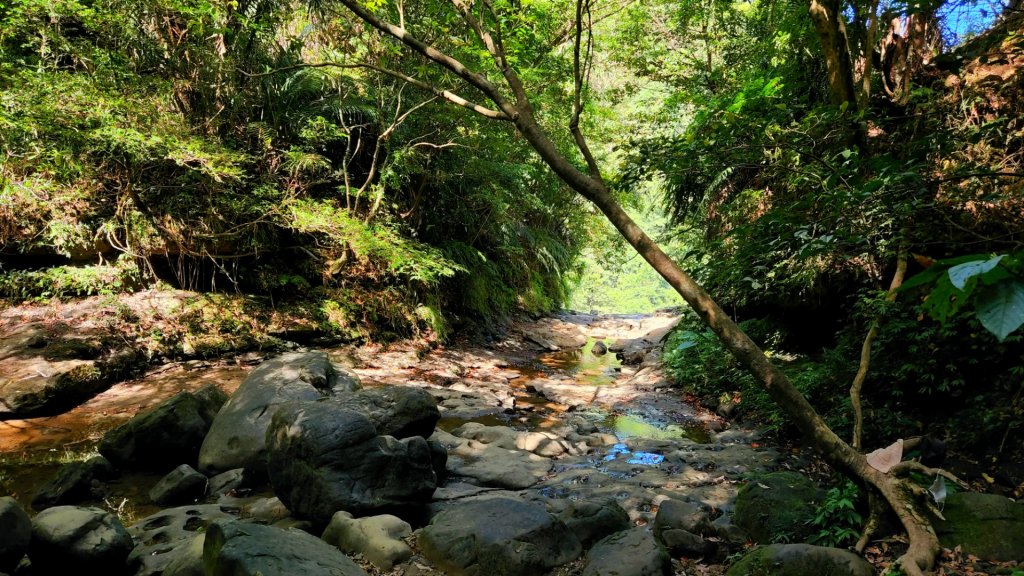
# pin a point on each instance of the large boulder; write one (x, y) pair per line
(323, 457)
(74, 540)
(398, 411)
(800, 560)
(237, 437)
(167, 435)
(988, 526)
(778, 506)
(682, 526)
(497, 536)
(233, 548)
(15, 533)
(632, 552)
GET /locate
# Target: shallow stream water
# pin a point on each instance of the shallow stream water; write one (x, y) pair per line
(32, 450)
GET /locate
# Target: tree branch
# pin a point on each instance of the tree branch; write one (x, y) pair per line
(445, 94)
(578, 72)
(907, 466)
(477, 80)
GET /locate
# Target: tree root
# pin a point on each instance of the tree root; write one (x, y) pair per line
(876, 511)
(906, 467)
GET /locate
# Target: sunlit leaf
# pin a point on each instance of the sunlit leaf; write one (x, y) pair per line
(961, 273)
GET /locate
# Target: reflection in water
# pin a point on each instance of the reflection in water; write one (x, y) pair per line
(33, 449)
(585, 367)
(631, 425)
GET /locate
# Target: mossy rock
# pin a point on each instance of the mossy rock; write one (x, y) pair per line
(800, 560)
(988, 526)
(73, 349)
(778, 507)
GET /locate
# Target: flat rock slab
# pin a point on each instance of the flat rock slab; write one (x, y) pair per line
(490, 465)
(497, 536)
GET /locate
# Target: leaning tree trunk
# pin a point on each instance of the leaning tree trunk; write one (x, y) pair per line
(899, 493)
(903, 497)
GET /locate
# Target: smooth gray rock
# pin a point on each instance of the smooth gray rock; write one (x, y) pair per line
(324, 458)
(71, 539)
(800, 560)
(378, 538)
(162, 537)
(778, 506)
(241, 549)
(632, 552)
(167, 435)
(75, 482)
(988, 526)
(237, 437)
(497, 536)
(593, 519)
(15, 533)
(180, 486)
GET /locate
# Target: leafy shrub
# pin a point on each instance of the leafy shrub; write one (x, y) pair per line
(837, 519)
(66, 281)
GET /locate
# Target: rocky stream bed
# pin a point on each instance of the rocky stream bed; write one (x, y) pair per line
(559, 448)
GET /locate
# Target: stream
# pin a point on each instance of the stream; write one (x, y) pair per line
(656, 443)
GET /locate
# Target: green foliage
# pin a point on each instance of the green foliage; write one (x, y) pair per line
(188, 135)
(71, 281)
(838, 522)
(993, 285)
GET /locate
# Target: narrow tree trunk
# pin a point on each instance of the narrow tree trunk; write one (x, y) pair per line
(828, 22)
(865, 354)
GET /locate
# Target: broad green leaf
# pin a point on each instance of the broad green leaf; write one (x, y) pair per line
(1001, 308)
(961, 273)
